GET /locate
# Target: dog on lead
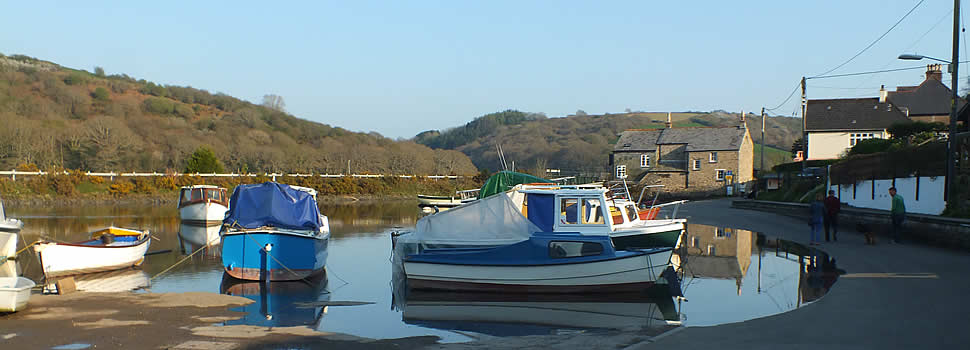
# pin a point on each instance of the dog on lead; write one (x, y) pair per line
(867, 232)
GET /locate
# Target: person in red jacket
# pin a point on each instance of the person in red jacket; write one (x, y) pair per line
(832, 207)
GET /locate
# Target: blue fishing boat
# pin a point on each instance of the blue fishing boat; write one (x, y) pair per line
(274, 232)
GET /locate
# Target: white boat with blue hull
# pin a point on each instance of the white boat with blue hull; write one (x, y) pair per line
(274, 232)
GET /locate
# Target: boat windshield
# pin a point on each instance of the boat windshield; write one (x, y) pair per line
(631, 212)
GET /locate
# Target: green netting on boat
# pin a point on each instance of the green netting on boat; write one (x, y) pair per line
(504, 180)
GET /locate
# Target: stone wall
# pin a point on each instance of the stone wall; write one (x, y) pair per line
(632, 161)
(949, 232)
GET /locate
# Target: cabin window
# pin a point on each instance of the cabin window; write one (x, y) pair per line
(186, 196)
(713, 157)
(559, 249)
(592, 212)
(621, 171)
(586, 211)
(644, 161)
(214, 194)
(631, 212)
(196, 194)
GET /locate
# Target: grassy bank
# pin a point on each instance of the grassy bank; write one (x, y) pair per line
(75, 187)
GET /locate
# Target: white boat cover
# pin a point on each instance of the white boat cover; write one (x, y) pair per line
(489, 221)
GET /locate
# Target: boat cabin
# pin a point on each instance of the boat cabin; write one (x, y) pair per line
(203, 194)
(566, 208)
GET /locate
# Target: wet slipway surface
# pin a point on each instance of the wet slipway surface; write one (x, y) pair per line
(728, 275)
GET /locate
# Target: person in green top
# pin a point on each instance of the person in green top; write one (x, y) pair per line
(897, 213)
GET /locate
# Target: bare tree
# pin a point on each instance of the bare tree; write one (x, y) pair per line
(274, 102)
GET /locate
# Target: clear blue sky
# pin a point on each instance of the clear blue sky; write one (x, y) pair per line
(402, 67)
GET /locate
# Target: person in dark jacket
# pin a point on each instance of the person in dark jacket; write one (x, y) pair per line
(817, 213)
(831, 220)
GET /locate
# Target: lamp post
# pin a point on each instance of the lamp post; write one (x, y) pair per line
(954, 98)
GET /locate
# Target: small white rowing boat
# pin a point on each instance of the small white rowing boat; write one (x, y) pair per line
(14, 293)
(108, 249)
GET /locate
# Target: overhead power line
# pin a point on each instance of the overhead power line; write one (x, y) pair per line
(874, 41)
(787, 99)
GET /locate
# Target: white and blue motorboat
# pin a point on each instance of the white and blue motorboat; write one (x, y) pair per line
(274, 232)
(492, 247)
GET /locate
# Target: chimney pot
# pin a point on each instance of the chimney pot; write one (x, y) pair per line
(935, 72)
(883, 94)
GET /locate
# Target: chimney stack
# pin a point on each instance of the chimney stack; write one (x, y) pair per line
(935, 72)
(670, 124)
(883, 94)
(742, 125)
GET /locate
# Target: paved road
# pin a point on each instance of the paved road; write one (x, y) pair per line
(892, 297)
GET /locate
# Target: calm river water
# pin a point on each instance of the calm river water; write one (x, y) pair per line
(729, 275)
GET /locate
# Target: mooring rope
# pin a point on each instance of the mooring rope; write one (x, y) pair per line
(180, 261)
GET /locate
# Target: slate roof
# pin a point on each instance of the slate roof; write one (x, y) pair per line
(929, 98)
(696, 139)
(638, 140)
(851, 114)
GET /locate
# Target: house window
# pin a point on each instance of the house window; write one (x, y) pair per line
(644, 161)
(722, 232)
(695, 241)
(713, 157)
(697, 164)
(856, 137)
(621, 171)
(710, 250)
(719, 174)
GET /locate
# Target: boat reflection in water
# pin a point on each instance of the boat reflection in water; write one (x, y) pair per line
(123, 280)
(511, 314)
(200, 235)
(193, 237)
(279, 303)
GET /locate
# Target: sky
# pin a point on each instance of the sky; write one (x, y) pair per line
(402, 67)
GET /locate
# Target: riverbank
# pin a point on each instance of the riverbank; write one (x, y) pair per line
(167, 199)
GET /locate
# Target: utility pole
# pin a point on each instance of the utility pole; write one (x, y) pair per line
(951, 138)
(804, 133)
(762, 142)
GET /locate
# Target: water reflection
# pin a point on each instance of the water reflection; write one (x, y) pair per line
(279, 303)
(199, 235)
(732, 275)
(110, 281)
(524, 314)
(728, 275)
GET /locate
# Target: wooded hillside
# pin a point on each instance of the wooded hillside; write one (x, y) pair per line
(57, 117)
(584, 142)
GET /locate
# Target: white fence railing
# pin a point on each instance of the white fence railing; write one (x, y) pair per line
(14, 173)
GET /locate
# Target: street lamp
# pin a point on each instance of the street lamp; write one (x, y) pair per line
(954, 98)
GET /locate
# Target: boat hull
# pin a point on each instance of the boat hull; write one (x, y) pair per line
(8, 244)
(63, 259)
(203, 213)
(292, 257)
(631, 273)
(650, 235)
(14, 293)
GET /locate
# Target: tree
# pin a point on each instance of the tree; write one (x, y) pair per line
(203, 161)
(99, 71)
(797, 146)
(581, 112)
(274, 102)
(101, 94)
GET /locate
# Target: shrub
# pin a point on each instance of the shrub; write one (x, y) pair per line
(158, 105)
(870, 146)
(203, 161)
(75, 78)
(101, 94)
(121, 187)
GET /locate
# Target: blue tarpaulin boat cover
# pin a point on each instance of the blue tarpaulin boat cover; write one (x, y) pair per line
(272, 204)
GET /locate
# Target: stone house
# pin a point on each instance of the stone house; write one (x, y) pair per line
(689, 161)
